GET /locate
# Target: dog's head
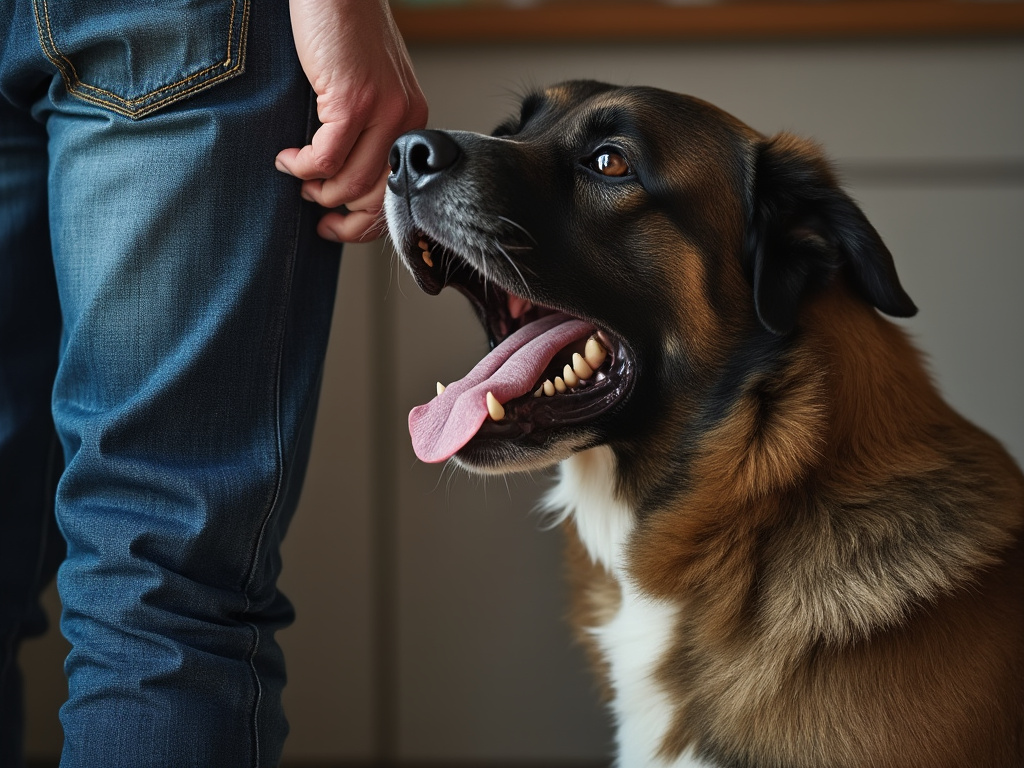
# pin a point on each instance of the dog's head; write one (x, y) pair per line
(649, 236)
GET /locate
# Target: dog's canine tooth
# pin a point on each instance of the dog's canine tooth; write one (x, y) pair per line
(580, 367)
(494, 408)
(440, 387)
(560, 385)
(424, 245)
(569, 377)
(594, 353)
(549, 388)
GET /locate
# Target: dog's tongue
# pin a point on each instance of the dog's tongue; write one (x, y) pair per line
(449, 421)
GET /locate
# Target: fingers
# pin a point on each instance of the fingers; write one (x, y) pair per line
(343, 175)
(361, 172)
(357, 227)
(325, 155)
(357, 182)
(359, 176)
(363, 219)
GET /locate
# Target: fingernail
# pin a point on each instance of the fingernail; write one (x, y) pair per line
(280, 166)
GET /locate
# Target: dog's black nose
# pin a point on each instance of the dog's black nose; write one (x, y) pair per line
(418, 157)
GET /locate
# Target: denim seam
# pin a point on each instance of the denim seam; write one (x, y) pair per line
(270, 513)
(279, 485)
(148, 103)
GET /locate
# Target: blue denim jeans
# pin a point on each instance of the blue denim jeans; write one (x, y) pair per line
(164, 312)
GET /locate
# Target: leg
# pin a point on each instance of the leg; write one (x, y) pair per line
(30, 461)
(196, 304)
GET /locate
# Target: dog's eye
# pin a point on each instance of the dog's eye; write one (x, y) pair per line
(610, 163)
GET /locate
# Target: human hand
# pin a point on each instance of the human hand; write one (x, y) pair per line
(366, 95)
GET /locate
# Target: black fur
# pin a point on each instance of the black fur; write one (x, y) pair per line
(804, 231)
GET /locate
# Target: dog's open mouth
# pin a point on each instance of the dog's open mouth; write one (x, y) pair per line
(547, 369)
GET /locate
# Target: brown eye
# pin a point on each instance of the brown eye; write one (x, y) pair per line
(610, 164)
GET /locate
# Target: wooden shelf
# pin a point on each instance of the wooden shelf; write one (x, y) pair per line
(602, 20)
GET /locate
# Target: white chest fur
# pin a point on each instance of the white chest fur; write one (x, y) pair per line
(639, 635)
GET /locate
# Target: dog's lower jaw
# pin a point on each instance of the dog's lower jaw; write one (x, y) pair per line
(502, 458)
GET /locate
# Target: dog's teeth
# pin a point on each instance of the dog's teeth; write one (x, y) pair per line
(427, 255)
(580, 367)
(560, 385)
(569, 377)
(594, 353)
(440, 387)
(539, 392)
(494, 408)
(549, 388)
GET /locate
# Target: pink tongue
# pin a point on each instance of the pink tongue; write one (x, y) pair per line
(449, 421)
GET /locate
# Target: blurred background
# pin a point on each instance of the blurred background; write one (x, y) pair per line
(431, 604)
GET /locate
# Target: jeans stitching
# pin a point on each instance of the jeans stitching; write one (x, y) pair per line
(151, 101)
(279, 484)
(77, 81)
(269, 516)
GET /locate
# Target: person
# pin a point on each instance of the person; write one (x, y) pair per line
(165, 302)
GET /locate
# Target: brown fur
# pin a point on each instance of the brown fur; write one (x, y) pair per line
(848, 565)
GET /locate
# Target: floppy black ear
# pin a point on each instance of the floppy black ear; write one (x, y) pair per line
(805, 232)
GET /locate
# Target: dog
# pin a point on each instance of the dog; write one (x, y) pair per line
(785, 549)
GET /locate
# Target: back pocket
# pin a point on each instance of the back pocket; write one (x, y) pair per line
(137, 57)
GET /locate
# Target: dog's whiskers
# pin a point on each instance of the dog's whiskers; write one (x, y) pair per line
(393, 273)
(520, 227)
(508, 258)
(377, 227)
(486, 278)
(448, 271)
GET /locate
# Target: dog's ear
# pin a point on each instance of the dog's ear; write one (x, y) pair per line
(804, 231)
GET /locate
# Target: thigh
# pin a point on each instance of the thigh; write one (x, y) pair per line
(196, 302)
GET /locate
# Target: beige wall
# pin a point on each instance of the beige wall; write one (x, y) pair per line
(430, 602)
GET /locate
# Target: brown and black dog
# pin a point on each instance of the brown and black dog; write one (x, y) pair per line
(787, 551)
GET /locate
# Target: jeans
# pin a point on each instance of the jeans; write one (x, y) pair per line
(164, 312)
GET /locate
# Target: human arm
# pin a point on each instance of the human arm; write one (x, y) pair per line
(367, 96)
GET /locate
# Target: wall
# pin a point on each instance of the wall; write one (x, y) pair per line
(430, 603)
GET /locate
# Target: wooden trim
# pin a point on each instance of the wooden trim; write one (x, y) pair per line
(603, 20)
